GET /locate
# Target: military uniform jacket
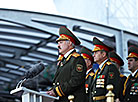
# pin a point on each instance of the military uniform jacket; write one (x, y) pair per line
(131, 89)
(89, 78)
(122, 81)
(70, 78)
(108, 74)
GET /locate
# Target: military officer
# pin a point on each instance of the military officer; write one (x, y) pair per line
(114, 57)
(105, 75)
(131, 84)
(70, 75)
(87, 55)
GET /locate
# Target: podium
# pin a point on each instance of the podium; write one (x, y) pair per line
(29, 95)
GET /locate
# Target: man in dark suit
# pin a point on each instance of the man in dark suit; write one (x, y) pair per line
(105, 75)
(87, 55)
(130, 91)
(70, 76)
(115, 58)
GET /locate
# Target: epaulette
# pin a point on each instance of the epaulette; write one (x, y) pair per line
(121, 75)
(108, 63)
(91, 74)
(75, 54)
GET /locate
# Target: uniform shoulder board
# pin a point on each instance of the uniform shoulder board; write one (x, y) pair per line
(75, 54)
(91, 74)
(121, 75)
(108, 63)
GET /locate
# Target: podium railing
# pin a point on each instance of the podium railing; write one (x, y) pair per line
(110, 95)
(31, 95)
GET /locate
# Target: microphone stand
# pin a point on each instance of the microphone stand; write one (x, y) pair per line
(20, 83)
(30, 72)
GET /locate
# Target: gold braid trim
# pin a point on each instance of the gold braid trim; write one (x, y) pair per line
(125, 86)
(121, 75)
(58, 92)
(126, 83)
(108, 63)
(75, 54)
(61, 91)
(60, 57)
(91, 74)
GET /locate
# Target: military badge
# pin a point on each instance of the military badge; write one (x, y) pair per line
(98, 86)
(102, 86)
(111, 75)
(98, 82)
(86, 85)
(79, 67)
(101, 76)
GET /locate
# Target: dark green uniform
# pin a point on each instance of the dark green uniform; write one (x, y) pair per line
(70, 78)
(115, 58)
(131, 89)
(121, 87)
(89, 78)
(108, 74)
(87, 55)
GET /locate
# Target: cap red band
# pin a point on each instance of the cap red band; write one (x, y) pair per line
(115, 60)
(71, 39)
(102, 47)
(87, 56)
(134, 54)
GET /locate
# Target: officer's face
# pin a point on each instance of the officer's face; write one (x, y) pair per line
(63, 46)
(132, 64)
(117, 65)
(88, 62)
(99, 56)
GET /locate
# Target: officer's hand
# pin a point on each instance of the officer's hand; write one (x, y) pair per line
(51, 93)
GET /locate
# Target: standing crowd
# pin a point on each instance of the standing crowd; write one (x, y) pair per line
(75, 74)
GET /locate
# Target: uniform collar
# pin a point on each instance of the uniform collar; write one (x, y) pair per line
(66, 55)
(133, 74)
(100, 66)
(88, 71)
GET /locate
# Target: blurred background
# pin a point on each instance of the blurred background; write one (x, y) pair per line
(29, 28)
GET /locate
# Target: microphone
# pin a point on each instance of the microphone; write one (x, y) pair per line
(34, 70)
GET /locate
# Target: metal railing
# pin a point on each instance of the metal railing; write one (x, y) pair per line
(109, 96)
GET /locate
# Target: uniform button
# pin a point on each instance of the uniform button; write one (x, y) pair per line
(54, 84)
(57, 83)
(128, 99)
(94, 91)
